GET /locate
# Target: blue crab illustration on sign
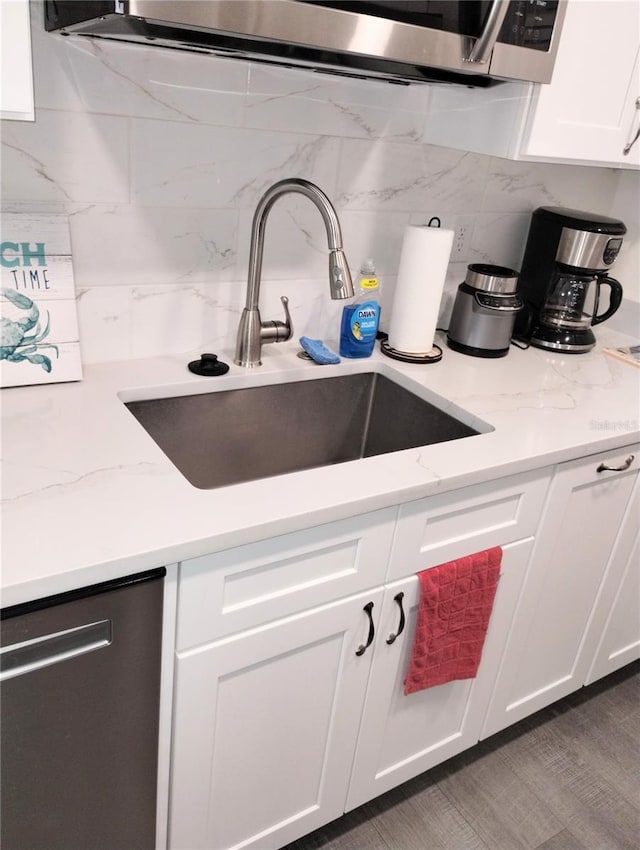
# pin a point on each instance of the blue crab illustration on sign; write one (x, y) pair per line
(21, 335)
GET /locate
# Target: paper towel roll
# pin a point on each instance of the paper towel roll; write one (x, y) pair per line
(421, 275)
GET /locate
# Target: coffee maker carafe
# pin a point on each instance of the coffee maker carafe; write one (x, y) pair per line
(564, 270)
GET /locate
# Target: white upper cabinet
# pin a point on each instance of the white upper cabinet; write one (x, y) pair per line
(589, 113)
(16, 76)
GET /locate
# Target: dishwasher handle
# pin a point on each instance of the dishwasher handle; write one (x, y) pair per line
(19, 659)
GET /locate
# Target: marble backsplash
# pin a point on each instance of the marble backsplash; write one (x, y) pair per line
(159, 158)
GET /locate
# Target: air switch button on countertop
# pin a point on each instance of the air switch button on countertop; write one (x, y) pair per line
(209, 366)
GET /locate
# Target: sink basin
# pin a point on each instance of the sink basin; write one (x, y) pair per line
(237, 435)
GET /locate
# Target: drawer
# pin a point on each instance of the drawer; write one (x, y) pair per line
(437, 529)
(240, 588)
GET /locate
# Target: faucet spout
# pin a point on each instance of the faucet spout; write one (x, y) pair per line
(252, 332)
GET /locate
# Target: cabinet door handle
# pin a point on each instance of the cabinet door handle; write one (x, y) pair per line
(392, 637)
(630, 144)
(624, 465)
(368, 608)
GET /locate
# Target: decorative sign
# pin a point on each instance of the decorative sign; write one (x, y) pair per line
(39, 339)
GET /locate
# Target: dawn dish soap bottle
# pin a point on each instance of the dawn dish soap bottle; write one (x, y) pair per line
(361, 318)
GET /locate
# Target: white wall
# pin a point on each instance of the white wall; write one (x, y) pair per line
(626, 206)
(159, 158)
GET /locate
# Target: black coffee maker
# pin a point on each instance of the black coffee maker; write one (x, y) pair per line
(564, 269)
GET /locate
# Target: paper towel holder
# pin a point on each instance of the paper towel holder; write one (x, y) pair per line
(415, 344)
(433, 356)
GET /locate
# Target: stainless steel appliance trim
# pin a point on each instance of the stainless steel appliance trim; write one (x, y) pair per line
(561, 346)
(511, 62)
(26, 657)
(479, 327)
(317, 27)
(491, 281)
(572, 324)
(583, 249)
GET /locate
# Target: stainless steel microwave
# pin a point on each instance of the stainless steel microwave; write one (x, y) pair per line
(473, 42)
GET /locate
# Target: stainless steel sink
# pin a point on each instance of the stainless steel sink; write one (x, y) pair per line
(238, 435)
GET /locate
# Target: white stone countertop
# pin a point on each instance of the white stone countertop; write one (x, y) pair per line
(88, 496)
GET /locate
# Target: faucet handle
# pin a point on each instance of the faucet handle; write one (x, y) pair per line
(275, 331)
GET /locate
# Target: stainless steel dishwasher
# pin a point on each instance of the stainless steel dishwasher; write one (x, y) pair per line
(79, 708)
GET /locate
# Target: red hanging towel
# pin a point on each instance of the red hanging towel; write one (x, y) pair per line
(453, 615)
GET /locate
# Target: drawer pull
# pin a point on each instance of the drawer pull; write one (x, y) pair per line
(392, 637)
(368, 608)
(624, 465)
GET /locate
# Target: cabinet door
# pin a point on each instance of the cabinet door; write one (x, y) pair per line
(615, 626)
(545, 657)
(589, 110)
(16, 77)
(402, 736)
(265, 726)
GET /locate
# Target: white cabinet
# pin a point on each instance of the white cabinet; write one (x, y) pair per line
(16, 75)
(590, 110)
(615, 625)
(278, 641)
(402, 736)
(265, 725)
(289, 704)
(588, 114)
(270, 682)
(548, 651)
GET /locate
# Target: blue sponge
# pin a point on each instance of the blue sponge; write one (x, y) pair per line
(316, 349)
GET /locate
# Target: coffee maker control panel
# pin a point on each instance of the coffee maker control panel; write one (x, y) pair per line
(611, 251)
(587, 250)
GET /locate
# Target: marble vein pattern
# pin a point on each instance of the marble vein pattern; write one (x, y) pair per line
(499, 238)
(89, 75)
(138, 89)
(105, 319)
(291, 99)
(396, 176)
(568, 381)
(66, 157)
(516, 187)
(94, 477)
(153, 245)
(218, 167)
(172, 315)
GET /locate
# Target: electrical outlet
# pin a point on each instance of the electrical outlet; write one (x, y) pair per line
(461, 242)
(462, 226)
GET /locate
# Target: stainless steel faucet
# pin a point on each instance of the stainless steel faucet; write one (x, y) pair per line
(252, 331)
